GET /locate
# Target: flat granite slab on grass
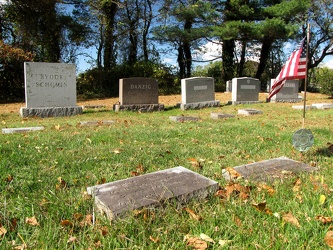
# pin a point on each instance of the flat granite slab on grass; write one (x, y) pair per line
(20, 130)
(220, 115)
(269, 170)
(151, 190)
(184, 118)
(323, 105)
(249, 112)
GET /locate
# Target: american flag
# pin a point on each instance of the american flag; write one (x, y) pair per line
(295, 68)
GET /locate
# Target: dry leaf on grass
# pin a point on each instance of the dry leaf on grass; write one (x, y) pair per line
(261, 207)
(323, 219)
(192, 214)
(329, 239)
(155, 240)
(206, 238)
(322, 199)
(66, 223)
(224, 242)
(270, 190)
(3, 231)
(290, 218)
(297, 185)
(31, 221)
(233, 173)
(197, 243)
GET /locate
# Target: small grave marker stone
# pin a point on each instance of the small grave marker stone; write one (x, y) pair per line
(181, 118)
(323, 105)
(220, 115)
(151, 190)
(197, 93)
(96, 123)
(288, 93)
(50, 90)
(302, 107)
(245, 90)
(138, 94)
(269, 170)
(249, 112)
(20, 130)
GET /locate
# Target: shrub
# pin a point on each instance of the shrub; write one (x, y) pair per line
(324, 79)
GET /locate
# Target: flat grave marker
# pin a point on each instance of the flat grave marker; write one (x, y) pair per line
(249, 112)
(21, 130)
(270, 170)
(323, 105)
(245, 90)
(221, 115)
(50, 90)
(302, 107)
(151, 190)
(138, 94)
(181, 118)
(197, 93)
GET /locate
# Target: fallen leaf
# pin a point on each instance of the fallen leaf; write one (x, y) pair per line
(117, 151)
(233, 173)
(237, 220)
(104, 231)
(259, 206)
(62, 184)
(197, 243)
(57, 127)
(270, 190)
(88, 220)
(322, 199)
(329, 238)
(66, 223)
(224, 242)
(89, 140)
(193, 214)
(155, 240)
(9, 179)
(323, 219)
(3, 231)
(290, 218)
(206, 238)
(13, 224)
(297, 185)
(71, 239)
(31, 221)
(134, 173)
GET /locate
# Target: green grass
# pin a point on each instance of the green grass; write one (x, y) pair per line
(31, 164)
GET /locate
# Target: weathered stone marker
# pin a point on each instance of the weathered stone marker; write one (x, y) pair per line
(151, 190)
(138, 94)
(50, 90)
(249, 112)
(220, 115)
(269, 170)
(323, 105)
(97, 123)
(245, 90)
(288, 93)
(198, 92)
(184, 118)
(20, 130)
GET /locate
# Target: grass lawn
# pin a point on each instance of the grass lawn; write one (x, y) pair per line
(44, 176)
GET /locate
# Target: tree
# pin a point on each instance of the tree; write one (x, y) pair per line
(324, 79)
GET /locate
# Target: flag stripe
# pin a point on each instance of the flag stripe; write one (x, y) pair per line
(295, 68)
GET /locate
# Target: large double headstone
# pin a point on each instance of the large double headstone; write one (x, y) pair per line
(50, 90)
(245, 90)
(288, 93)
(198, 92)
(138, 94)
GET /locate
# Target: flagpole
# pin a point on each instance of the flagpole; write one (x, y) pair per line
(306, 73)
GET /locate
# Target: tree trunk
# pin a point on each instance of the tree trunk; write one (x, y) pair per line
(228, 48)
(264, 56)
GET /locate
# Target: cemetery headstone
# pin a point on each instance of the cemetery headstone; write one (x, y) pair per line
(245, 90)
(197, 93)
(50, 90)
(228, 86)
(269, 170)
(151, 190)
(20, 130)
(288, 93)
(138, 94)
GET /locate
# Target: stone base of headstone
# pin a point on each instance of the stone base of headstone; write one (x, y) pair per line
(243, 102)
(139, 108)
(199, 105)
(220, 115)
(184, 118)
(96, 123)
(323, 105)
(270, 170)
(287, 100)
(51, 111)
(94, 106)
(302, 107)
(20, 130)
(151, 190)
(249, 112)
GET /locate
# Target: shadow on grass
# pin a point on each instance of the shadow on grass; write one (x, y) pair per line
(327, 151)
